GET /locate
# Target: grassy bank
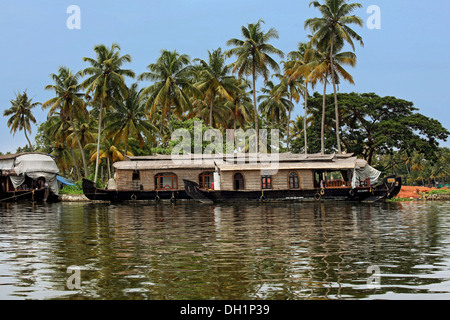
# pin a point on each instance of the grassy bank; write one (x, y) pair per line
(76, 189)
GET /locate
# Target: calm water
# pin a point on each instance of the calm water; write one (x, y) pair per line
(192, 251)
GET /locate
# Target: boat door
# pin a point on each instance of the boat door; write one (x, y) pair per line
(238, 181)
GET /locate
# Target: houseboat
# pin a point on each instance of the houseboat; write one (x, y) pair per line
(28, 176)
(231, 178)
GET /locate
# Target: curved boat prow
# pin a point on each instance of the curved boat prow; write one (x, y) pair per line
(192, 190)
(89, 189)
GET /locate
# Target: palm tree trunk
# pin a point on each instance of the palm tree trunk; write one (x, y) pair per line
(336, 108)
(75, 164)
(255, 106)
(109, 168)
(97, 162)
(287, 126)
(322, 130)
(83, 155)
(234, 128)
(304, 119)
(29, 142)
(211, 113)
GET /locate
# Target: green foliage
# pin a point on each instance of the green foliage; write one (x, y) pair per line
(76, 189)
(439, 191)
(372, 125)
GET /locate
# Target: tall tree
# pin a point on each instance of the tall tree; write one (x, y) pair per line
(129, 118)
(170, 74)
(378, 125)
(215, 80)
(274, 103)
(69, 103)
(319, 68)
(106, 82)
(253, 56)
(296, 70)
(21, 115)
(293, 89)
(241, 105)
(60, 132)
(330, 31)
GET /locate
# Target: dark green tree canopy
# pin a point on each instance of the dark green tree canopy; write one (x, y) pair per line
(375, 125)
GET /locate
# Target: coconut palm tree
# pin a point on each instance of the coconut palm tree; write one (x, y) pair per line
(170, 75)
(62, 141)
(274, 103)
(106, 82)
(332, 29)
(21, 115)
(253, 56)
(69, 103)
(202, 109)
(129, 118)
(293, 89)
(241, 106)
(295, 69)
(319, 68)
(109, 151)
(215, 80)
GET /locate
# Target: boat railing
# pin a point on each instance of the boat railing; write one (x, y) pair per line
(338, 184)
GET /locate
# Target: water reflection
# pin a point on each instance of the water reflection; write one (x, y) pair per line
(193, 251)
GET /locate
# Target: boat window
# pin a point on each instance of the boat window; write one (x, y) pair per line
(293, 180)
(266, 182)
(206, 180)
(135, 175)
(238, 181)
(166, 181)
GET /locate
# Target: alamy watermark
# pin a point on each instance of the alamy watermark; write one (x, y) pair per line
(374, 20)
(74, 20)
(73, 282)
(374, 280)
(240, 147)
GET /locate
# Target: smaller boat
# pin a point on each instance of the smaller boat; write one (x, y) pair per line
(28, 176)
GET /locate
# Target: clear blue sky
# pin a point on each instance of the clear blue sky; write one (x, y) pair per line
(407, 58)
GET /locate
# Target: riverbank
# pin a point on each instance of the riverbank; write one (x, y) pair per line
(423, 193)
(76, 198)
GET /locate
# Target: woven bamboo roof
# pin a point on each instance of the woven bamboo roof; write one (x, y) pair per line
(288, 156)
(232, 162)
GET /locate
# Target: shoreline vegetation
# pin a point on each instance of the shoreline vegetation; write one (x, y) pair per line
(415, 193)
(95, 117)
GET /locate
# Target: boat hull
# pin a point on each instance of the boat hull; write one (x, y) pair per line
(363, 194)
(37, 195)
(192, 192)
(93, 193)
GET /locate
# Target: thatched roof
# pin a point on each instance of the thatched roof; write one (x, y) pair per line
(235, 162)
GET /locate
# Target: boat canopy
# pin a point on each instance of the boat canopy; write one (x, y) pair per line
(359, 168)
(33, 165)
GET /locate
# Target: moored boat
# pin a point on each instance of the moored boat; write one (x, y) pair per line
(231, 178)
(28, 176)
